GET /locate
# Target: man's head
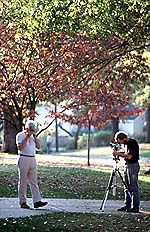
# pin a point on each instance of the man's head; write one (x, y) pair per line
(121, 137)
(30, 125)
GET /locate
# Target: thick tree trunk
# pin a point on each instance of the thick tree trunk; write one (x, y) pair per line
(10, 132)
(148, 125)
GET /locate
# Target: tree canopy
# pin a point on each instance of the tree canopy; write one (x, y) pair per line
(80, 70)
(88, 53)
(125, 18)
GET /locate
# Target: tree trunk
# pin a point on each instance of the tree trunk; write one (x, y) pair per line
(88, 142)
(10, 132)
(115, 125)
(148, 125)
(56, 131)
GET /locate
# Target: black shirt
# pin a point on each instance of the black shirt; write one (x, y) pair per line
(133, 149)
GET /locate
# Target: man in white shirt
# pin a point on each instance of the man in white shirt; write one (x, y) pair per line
(27, 143)
(48, 142)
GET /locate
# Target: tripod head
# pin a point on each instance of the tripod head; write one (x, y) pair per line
(115, 146)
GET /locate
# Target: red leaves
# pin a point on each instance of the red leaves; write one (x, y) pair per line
(58, 68)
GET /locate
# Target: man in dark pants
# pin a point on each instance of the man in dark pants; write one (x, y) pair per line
(131, 156)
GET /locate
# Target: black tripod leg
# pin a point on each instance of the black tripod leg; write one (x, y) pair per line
(125, 184)
(108, 190)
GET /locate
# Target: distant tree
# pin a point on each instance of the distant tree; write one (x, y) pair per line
(143, 98)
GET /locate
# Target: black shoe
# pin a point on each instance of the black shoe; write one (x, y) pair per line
(25, 206)
(147, 172)
(133, 210)
(124, 209)
(40, 204)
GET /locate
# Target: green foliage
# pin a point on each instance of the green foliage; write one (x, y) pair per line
(124, 18)
(141, 137)
(42, 139)
(101, 138)
(70, 144)
(82, 141)
(143, 97)
(36, 16)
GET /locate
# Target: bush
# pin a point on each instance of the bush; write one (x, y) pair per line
(70, 144)
(141, 137)
(82, 141)
(101, 138)
(98, 139)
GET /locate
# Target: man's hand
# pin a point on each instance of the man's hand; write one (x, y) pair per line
(115, 153)
(30, 132)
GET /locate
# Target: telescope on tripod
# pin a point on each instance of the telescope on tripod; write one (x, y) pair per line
(113, 179)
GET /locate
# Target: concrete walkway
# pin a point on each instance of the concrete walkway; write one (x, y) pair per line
(9, 207)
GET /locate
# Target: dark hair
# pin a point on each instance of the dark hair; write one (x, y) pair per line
(120, 135)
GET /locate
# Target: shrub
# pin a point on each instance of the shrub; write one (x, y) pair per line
(101, 138)
(141, 137)
(82, 141)
(70, 144)
(98, 139)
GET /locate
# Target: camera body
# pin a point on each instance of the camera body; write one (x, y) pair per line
(115, 146)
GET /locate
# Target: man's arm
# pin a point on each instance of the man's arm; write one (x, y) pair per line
(123, 155)
(37, 144)
(22, 145)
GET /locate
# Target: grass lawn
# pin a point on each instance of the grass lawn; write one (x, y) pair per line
(71, 222)
(103, 151)
(65, 182)
(82, 183)
(74, 182)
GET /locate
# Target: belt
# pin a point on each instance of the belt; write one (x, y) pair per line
(27, 155)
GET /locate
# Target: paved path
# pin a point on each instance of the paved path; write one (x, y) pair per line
(9, 207)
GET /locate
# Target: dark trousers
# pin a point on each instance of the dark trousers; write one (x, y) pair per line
(131, 178)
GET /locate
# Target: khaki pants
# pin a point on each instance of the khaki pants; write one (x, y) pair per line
(27, 168)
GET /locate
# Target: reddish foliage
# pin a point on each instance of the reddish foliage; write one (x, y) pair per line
(53, 67)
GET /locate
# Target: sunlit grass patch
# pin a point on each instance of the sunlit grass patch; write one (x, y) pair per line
(69, 182)
(77, 222)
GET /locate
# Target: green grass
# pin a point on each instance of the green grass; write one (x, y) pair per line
(77, 222)
(145, 153)
(65, 182)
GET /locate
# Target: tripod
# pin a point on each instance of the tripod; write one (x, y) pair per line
(113, 182)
